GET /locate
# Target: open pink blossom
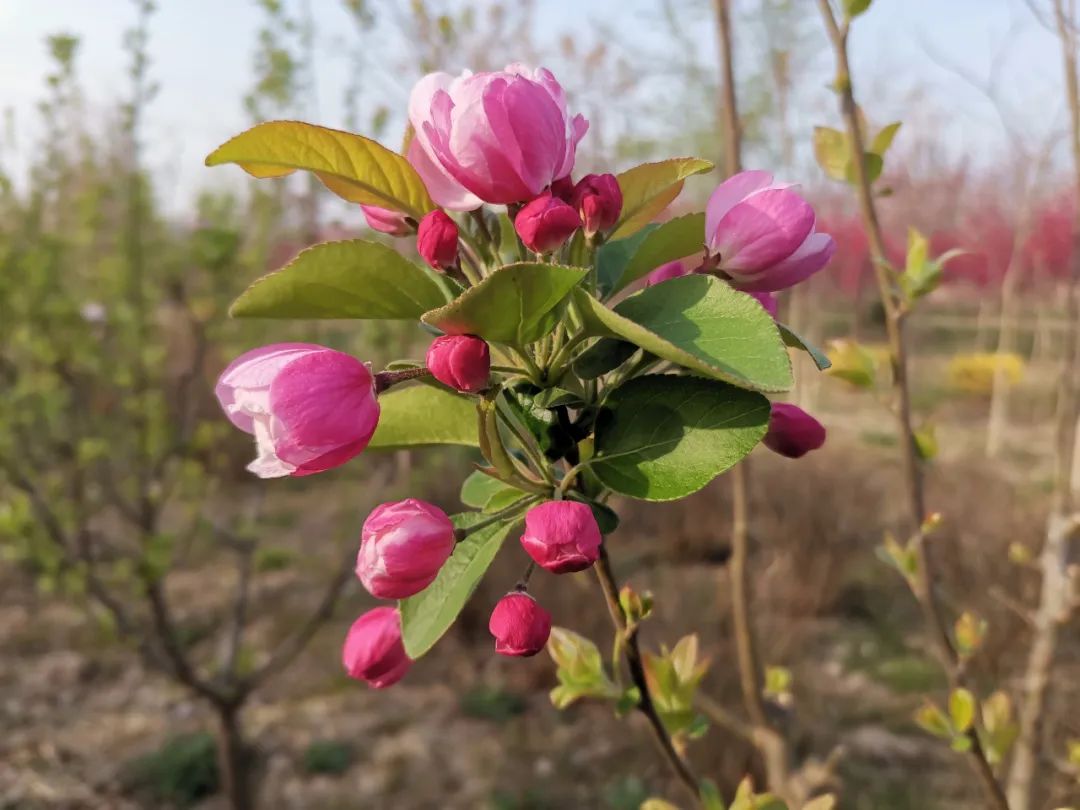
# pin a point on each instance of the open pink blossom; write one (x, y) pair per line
(764, 233)
(309, 408)
(499, 137)
(792, 431)
(403, 545)
(521, 627)
(373, 650)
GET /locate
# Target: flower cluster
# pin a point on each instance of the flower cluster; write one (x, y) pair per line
(502, 146)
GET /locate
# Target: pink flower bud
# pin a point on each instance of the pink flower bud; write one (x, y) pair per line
(764, 233)
(403, 545)
(499, 137)
(373, 651)
(520, 625)
(598, 199)
(385, 221)
(664, 272)
(792, 431)
(562, 536)
(460, 361)
(310, 408)
(545, 223)
(768, 301)
(437, 239)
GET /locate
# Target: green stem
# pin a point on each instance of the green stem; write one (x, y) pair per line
(496, 517)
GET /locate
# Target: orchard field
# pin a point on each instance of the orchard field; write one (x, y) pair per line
(677, 411)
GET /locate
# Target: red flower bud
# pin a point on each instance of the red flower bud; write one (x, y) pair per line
(598, 199)
(460, 361)
(520, 626)
(403, 545)
(545, 223)
(792, 431)
(437, 239)
(373, 651)
(562, 536)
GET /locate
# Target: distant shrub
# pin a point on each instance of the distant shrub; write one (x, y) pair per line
(974, 373)
(184, 770)
(328, 757)
(492, 704)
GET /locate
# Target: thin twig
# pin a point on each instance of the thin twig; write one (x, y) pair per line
(632, 655)
(895, 315)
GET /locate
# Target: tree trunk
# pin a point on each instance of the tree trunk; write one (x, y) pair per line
(235, 760)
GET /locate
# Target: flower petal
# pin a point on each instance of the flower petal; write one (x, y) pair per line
(763, 229)
(733, 190)
(255, 371)
(812, 255)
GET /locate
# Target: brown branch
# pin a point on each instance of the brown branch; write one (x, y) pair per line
(632, 655)
(287, 652)
(924, 586)
(1055, 597)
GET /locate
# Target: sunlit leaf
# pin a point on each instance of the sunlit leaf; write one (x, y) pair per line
(421, 415)
(649, 188)
(355, 168)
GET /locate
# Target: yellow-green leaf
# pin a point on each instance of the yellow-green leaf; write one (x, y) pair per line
(354, 279)
(831, 151)
(962, 705)
(422, 415)
(649, 188)
(355, 168)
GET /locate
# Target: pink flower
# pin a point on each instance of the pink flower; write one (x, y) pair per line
(437, 239)
(562, 536)
(373, 651)
(598, 199)
(792, 431)
(764, 233)
(461, 361)
(385, 221)
(310, 408)
(664, 272)
(403, 545)
(768, 301)
(545, 223)
(499, 137)
(520, 626)
(563, 188)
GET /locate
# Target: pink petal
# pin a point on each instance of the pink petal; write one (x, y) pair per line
(322, 402)
(444, 189)
(733, 190)
(811, 256)
(255, 369)
(765, 228)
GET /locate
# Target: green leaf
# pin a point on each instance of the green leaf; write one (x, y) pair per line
(795, 341)
(607, 354)
(701, 323)
(662, 437)
(516, 304)
(932, 719)
(874, 165)
(926, 443)
(420, 415)
(853, 8)
(481, 491)
(851, 362)
(426, 616)
(962, 705)
(710, 795)
(884, 138)
(649, 188)
(354, 279)
(353, 167)
(614, 255)
(674, 239)
(832, 152)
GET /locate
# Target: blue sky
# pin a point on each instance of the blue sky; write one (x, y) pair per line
(202, 57)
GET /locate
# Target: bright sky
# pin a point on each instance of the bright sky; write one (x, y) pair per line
(202, 54)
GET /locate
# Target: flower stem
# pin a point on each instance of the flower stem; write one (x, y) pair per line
(386, 379)
(632, 654)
